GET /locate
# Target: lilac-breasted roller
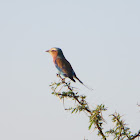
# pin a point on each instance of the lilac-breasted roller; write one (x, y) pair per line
(63, 66)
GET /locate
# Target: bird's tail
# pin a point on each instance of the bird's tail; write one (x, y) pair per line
(78, 80)
(83, 83)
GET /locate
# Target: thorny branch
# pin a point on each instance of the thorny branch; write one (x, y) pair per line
(95, 116)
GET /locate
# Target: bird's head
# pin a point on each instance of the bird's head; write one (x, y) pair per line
(55, 52)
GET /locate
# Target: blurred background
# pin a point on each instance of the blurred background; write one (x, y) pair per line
(101, 39)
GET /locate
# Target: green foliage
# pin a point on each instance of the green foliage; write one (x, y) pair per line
(96, 120)
(120, 131)
(96, 117)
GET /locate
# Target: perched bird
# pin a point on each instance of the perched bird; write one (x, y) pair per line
(63, 66)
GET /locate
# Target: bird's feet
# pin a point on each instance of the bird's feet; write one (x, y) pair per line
(63, 79)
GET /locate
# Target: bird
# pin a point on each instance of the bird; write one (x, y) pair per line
(62, 64)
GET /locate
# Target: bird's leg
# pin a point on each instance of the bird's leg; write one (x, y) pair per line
(63, 79)
(58, 75)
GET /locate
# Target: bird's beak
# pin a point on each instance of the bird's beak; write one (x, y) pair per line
(47, 51)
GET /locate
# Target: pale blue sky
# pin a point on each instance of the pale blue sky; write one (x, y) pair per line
(101, 39)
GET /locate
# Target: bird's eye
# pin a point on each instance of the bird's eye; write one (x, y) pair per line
(53, 50)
